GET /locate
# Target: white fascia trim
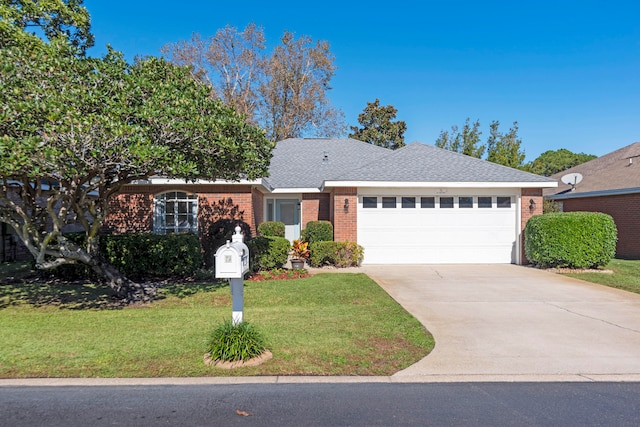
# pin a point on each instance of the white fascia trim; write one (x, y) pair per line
(400, 184)
(172, 181)
(295, 190)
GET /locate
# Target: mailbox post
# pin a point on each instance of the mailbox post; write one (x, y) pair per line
(232, 262)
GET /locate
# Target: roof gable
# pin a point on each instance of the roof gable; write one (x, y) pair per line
(618, 170)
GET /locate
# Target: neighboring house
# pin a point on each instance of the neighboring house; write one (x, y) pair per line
(610, 184)
(417, 204)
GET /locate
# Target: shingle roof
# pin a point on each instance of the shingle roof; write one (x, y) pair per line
(618, 170)
(308, 162)
(301, 163)
(419, 162)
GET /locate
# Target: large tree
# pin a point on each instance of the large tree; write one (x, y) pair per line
(379, 127)
(505, 148)
(284, 91)
(74, 130)
(553, 161)
(466, 141)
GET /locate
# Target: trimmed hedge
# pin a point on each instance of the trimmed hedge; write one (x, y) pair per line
(267, 253)
(271, 229)
(317, 231)
(571, 239)
(338, 254)
(217, 234)
(145, 254)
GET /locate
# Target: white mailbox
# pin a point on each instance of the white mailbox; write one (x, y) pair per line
(232, 259)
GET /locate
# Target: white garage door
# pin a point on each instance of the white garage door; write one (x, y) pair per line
(433, 229)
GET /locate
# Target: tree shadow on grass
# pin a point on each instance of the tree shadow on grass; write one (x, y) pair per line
(183, 289)
(20, 285)
(82, 295)
(77, 295)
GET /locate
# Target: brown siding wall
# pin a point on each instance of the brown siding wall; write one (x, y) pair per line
(625, 210)
(526, 212)
(345, 221)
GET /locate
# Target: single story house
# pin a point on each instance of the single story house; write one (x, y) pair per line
(417, 204)
(610, 184)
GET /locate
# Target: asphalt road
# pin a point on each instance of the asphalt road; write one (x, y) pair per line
(371, 404)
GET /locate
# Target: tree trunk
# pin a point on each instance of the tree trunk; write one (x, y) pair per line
(127, 290)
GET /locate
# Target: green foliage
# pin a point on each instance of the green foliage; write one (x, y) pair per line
(504, 148)
(66, 20)
(140, 255)
(466, 142)
(551, 162)
(73, 127)
(231, 343)
(267, 253)
(378, 126)
(271, 229)
(571, 239)
(318, 231)
(501, 148)
(338, 254)
(550, 206)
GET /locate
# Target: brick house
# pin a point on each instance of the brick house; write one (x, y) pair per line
(610, 184)
(417, 204)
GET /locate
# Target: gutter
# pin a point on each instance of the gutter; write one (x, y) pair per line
(574, 195)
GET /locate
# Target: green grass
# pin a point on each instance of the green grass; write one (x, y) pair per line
(626, 275)
(329, 324)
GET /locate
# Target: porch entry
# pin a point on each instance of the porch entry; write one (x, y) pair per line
(288, 212)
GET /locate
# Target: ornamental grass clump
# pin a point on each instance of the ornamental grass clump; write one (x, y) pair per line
(232, 343)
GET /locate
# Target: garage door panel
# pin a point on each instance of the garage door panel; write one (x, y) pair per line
(438, 235)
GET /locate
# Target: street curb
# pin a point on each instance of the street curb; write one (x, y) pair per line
(274, 380)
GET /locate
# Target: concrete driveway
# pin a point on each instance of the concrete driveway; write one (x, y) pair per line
(514, 323)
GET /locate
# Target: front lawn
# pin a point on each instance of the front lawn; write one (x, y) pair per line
(328, 324)
(626, 275)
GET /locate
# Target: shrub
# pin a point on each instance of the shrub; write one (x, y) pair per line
(571, 239)
(231, 343)
(271, 229)
(339, 254)
(217, 234)
(139, 255)
(317, 231)
(550, 206)
(267, 253)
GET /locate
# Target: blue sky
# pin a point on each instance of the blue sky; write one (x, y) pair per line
(567, 71)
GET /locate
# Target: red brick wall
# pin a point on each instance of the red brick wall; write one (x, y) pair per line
(345, 221)
(625, 210)
(526, 212)
(315, 207)
(258, 209)
(129, 213)
(132, 210)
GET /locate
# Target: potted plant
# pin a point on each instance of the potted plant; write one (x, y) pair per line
(299, 252)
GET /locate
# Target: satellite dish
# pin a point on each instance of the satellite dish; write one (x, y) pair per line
(572, 179)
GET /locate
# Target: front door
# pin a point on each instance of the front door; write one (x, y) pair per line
(288, 212)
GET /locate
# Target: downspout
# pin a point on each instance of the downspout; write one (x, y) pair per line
(519, 243)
